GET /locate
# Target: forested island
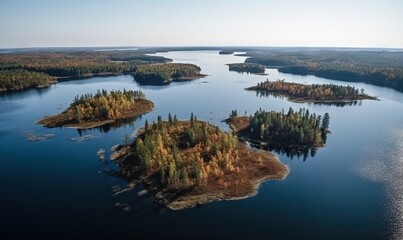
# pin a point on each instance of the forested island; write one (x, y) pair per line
(226, 52)
(88, 111)
(188, 163)
(381, 68)
(247, 67)
(166, 73)
(317, 93)
(15, 80)
(290, 132)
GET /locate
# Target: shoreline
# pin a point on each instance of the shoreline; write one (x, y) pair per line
(6, 91)
(209, 198)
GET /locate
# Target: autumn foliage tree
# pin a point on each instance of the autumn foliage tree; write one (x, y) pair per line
(186, 153)
(105, 105)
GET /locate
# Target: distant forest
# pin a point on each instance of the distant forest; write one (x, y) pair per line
(19, 71)
(381, 68)
(13, 80)
(78, 64)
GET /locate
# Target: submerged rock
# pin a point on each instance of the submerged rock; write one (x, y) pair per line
(82, 138)
(142, 193)
(34, 138)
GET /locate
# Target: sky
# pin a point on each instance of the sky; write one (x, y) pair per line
(311, 23)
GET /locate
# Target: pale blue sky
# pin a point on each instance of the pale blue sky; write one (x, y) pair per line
(338, 23)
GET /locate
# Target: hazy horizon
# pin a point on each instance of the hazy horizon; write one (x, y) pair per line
(256, 23)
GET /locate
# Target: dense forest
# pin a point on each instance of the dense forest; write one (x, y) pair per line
(373, 67)
(165, 73)
(13, 80)
(100, 107)
(186, 153)
(295, 129)
(311, 92)
(247, 67)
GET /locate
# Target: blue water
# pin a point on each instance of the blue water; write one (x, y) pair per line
(351, 189)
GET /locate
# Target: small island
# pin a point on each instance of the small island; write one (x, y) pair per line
(157, 74)
(189, 163)
(16, 80)
(88, 111)
(316, 93)
(247, 68)
(226, 52)
(295, 131)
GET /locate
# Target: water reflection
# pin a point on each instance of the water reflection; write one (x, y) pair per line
(114, 125)
(23, 94)
(291, 153)
(336, 104)
(386, 167)
(163, 84)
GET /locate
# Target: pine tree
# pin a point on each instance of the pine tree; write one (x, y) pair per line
(146, 126)
(170, 119)
(325, 121)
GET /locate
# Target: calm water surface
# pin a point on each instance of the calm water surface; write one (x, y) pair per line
(351, 189)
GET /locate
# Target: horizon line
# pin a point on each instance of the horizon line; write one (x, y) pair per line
(194, 46)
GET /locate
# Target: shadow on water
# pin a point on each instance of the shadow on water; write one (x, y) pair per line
(111, 126)
(20, 95)
(336, 104)
(163, 85)
(291, 153)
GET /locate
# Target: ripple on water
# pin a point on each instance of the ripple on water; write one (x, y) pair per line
(386, 166)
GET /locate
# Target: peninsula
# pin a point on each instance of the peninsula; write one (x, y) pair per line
(184, 164)
(16, 80)
(88, 111)
(317, 93)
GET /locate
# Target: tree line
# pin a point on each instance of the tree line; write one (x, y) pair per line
(310, 91)
(13, 80)
(78, 64)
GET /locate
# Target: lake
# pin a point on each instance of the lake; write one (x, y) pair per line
(351, 189)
